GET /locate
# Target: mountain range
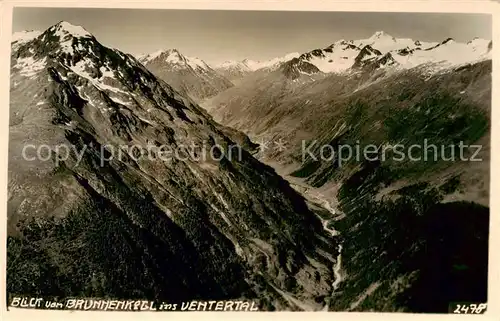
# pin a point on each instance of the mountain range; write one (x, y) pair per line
(406, 225)
(194, 77)
(380, 50)
(238, 69)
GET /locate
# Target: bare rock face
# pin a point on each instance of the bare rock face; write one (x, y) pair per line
(295, 67)
(90, 216)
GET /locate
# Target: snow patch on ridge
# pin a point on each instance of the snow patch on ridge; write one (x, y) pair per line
(145, 58)
(79, 69)
(447, 55)
(21, 37)
(336, 61)
(407, 53)
(106, 72)
(195, 62)
(175, 58)
(29, 67)
(253, 65)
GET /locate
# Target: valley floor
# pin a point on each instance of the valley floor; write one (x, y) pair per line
(323, 202)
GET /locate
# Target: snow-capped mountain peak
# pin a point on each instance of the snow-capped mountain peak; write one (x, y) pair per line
(233, 69)
(145, 57)
(66, 38)
(173, 58)
(233, 64)
(25, 36)
(382, 49)
(271, 63)
(382, 35)
(478, 43)
(65, 29)
(190, 75)
(384, 42)
(61, 38)
(75, 53)
(249, 65)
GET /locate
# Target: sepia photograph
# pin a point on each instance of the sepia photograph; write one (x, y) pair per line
(245, 160)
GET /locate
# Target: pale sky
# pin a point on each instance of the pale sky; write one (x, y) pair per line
(217, 36)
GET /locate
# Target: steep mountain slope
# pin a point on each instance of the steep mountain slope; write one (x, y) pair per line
(89, 221)
(407, 226)
(191, 76)
(379, 52)
(22, 37)
(234, 70)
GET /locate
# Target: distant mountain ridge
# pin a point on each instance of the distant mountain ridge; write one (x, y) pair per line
(190, 75)
(21, 37)
(237, 69)
(174, 57)
(383, 50)
(133, 227)
(400, 221)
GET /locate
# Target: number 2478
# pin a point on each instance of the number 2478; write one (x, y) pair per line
(470, 308)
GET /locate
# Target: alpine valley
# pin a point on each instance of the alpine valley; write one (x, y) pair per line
(286, 229)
